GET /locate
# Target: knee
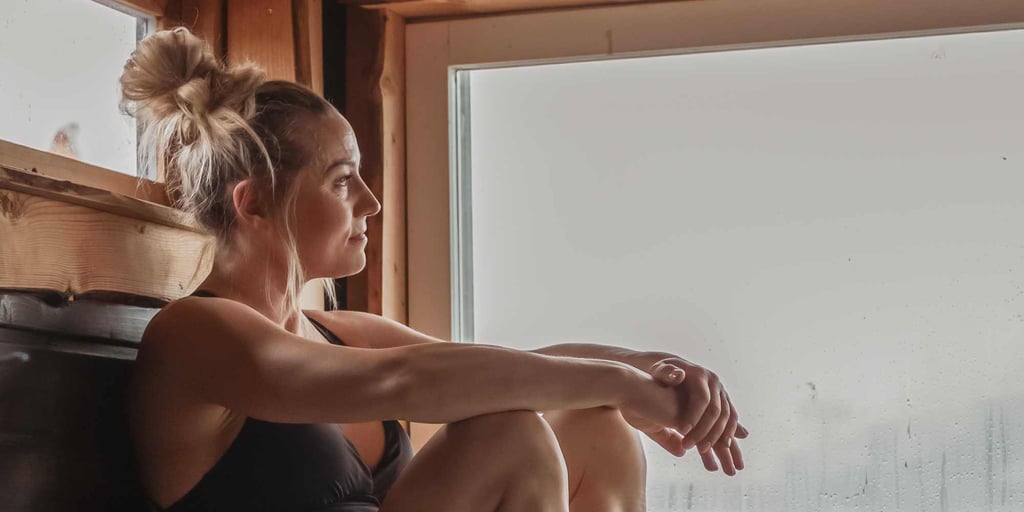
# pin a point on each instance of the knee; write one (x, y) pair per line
(520, 440)
(599, 429)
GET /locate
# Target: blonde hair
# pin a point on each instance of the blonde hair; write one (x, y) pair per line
(205, 126)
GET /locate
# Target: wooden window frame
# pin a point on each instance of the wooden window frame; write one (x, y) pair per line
(436, 50)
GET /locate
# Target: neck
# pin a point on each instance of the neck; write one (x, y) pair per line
(258, 279)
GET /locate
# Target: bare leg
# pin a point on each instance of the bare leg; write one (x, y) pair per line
(505, 462)
(605, 459)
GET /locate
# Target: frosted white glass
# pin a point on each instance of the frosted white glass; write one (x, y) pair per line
(59, 65)
(837, 230)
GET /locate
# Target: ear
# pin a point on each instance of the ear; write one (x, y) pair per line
(248, 203)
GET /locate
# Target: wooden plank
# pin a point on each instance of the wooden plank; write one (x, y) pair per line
(154, 8)
(364, 65)
(118, 324)
(375, 99)
(59, 167)
(98, 199)
(419, 10)
(262, 31)
(429, 281)
(205, 18)
(53, 245)
(309, 49)
(394, 296)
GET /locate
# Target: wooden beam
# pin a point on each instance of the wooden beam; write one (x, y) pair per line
(262, 31)
(81, 241)
(434, 9)
(364, 64)
(394, 296)
(375, 99)
(59, 167)
(309, 50)
(95, 198)
(154, 8)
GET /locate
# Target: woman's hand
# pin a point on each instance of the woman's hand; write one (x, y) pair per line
(710, 422)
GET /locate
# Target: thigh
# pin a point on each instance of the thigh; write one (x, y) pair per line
(465, 466)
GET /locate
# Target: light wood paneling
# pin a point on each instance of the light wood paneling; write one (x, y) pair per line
(261, 31)
(309, 48)
(420, 9)
(364, 61)
(155, 8)
(394, 297)
(205, 18)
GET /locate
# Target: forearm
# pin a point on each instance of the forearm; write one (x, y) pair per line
(636, 359)
(443, 383)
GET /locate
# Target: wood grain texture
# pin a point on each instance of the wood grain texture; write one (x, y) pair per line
(309, 49)
(153, 8)
(96, 198)
(432, 9)
(122, 325)
(375, 99)
(16, 156)
(53, 245)
(261, 31)
(205, 18)
(394, 297)
(364, 65)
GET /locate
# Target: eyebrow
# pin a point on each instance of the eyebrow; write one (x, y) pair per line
(342, 161)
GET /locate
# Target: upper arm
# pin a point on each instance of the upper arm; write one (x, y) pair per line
(367, 330)
(224, 352)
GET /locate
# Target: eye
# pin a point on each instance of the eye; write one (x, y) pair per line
(343, 181)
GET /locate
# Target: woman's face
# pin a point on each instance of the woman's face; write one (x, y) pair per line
(333, 202)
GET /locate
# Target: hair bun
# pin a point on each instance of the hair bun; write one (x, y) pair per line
(174, 71)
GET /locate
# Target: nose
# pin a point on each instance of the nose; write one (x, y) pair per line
(368, 205)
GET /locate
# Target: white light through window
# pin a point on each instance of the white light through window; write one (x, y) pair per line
(59, 65)
(837, 230)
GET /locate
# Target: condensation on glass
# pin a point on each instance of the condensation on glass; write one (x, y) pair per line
(837, 230)
(59, 66)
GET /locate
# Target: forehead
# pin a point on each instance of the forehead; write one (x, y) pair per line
(334, 139)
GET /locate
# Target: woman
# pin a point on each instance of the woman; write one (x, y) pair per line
(241, 401)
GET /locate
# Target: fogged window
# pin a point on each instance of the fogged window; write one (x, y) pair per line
(837, 230)
(59, 65)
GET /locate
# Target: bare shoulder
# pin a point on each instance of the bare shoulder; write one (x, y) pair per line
(368, 330)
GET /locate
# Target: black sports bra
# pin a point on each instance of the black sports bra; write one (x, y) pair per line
(297, 467)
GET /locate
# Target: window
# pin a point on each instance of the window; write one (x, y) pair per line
(832, 227)
(59, 65)
(835, 229)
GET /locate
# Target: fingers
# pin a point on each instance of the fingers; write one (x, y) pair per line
(737, 455)
(742, 432)
(731, 427)
(714, 436)
(699, 401)
(707, 421)
(709, 461)
(724, 454)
